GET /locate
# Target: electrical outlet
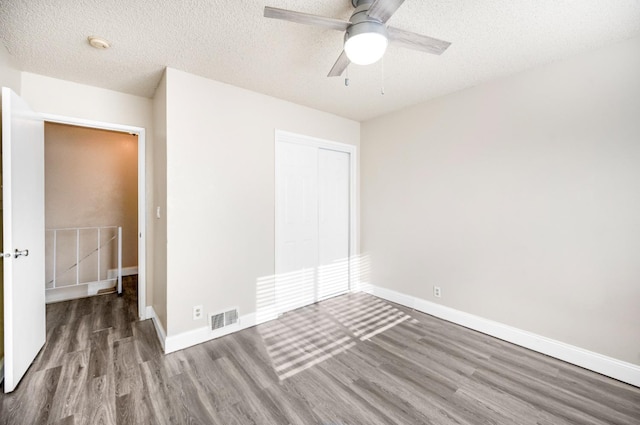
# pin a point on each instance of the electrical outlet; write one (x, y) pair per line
(197, 312)
(437, 292)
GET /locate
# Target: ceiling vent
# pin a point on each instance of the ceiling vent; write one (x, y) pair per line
(220, 320)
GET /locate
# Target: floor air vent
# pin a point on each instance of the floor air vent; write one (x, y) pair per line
(220, 320)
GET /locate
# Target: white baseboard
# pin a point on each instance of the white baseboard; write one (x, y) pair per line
(162, 335)
(608, 366)
(126, 271)
(198, 336)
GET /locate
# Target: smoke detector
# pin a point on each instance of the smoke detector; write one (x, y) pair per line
(99, 43)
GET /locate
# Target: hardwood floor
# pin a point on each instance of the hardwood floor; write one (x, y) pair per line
(353, 359)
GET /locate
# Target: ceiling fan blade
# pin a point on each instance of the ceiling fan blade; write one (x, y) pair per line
(411, 40)
(341, 64)
(383, 9)
(305, 18)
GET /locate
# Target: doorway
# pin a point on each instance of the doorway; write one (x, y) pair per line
(315, 219)
(91, 205)
(139, 172)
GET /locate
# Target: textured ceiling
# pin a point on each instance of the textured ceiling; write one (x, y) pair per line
(230, 41)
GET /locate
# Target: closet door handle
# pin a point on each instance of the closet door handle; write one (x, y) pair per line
(18, 253)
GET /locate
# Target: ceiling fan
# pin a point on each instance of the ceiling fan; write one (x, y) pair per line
(366, 33)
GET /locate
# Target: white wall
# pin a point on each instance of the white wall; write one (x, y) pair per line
(520, 199)
(159, 302)
(9, 72)
(60, 97)
(220, 190)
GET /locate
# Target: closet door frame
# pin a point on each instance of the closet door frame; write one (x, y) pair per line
(354, 225)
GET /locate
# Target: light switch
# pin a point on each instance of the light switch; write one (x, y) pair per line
(157, 212)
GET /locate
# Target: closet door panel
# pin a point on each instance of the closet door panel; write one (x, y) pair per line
(296, 225)
(333, 222)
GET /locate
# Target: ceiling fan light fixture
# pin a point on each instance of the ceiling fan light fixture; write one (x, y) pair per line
(365, 43)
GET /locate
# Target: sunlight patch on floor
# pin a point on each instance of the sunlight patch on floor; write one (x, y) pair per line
(303, 338)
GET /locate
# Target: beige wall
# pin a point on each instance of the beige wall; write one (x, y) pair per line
(220, 190)
(520, 199)
(65, 98)
(91, 180)
(160, 196)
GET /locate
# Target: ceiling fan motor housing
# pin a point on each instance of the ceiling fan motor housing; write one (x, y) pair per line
(357, 3)
(363, 23)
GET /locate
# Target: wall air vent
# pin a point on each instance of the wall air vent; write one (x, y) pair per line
(231, 317)
(226, 318)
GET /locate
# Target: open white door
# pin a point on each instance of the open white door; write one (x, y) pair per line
(23, 236)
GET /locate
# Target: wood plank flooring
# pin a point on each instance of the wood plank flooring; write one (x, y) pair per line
(353, 359)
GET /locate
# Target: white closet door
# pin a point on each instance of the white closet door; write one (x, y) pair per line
(333, 222)
(296, 225)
